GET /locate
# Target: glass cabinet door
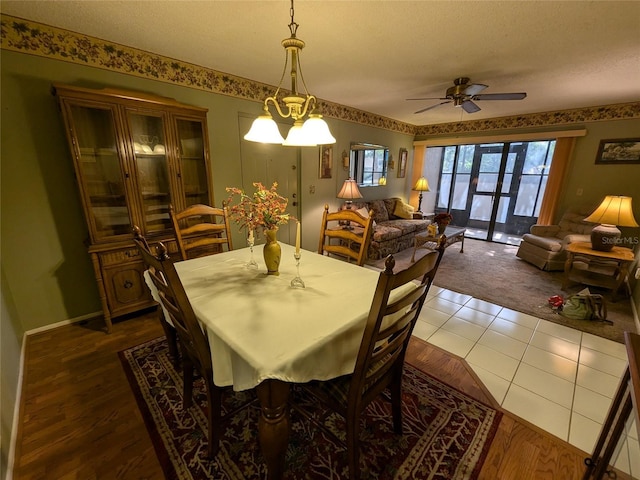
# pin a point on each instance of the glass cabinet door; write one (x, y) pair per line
(193, 164)
(150, 158)
(101, 171)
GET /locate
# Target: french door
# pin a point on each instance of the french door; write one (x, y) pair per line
(494, 190)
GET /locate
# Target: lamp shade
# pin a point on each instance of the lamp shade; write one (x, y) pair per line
(317, 130)
(349, 190)
(421, 185)
(297, 137)
(614, 210)
(264, 130)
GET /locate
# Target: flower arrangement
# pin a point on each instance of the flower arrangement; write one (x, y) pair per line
(443, 218)
(264, 209)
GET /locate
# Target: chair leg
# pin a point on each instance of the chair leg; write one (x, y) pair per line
(214, 417)
(396, 402)
(187, 381)
(172, 338)
(353, 445)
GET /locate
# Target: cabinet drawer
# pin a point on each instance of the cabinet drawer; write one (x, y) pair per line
(117, 257)
(125, 287)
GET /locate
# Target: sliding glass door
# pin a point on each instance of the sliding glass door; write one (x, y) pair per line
(494, 190)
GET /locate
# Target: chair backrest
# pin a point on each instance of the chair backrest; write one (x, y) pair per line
(345, 233)
(175, 303)
(390, 323)
(201, 230)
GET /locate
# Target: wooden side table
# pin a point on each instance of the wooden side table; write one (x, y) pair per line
(612, 277)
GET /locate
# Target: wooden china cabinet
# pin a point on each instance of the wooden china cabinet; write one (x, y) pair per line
(134, 154)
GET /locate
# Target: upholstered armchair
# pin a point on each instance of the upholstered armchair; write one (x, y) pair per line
(545, 245)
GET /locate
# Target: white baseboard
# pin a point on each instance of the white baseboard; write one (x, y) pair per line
(16, 407)
(51, 326)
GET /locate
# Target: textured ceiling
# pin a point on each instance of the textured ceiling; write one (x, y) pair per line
(373, 55)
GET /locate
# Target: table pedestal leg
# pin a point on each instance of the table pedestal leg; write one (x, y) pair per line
(274, 425)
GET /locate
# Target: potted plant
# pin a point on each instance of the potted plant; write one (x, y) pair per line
(443, 219)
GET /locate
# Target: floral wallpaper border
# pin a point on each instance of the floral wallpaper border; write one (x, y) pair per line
(33, 38)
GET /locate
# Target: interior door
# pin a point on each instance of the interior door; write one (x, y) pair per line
(268, 163)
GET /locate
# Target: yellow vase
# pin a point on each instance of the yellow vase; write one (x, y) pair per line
(272, 252)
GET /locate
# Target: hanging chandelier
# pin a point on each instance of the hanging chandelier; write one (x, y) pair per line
(305, 133)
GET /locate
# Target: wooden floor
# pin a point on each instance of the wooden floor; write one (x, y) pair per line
(80, 419)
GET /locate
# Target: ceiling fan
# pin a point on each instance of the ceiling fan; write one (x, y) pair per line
(463, 93)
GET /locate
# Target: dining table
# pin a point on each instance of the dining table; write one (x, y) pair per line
(266, 334)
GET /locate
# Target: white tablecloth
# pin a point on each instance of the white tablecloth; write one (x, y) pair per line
(260, 328)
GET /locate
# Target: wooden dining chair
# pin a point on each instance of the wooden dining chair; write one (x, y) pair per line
(193, 341)
(380, 360)
(165, 319)
(345, 234)
(201, 230)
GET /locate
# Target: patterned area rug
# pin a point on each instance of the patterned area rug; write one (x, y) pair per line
(446, 433)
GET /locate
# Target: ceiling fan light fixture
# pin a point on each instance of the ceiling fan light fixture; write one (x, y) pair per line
(296, 105)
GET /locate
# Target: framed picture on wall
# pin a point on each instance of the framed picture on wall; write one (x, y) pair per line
(326, 161)
(622, 150)
(402, 163)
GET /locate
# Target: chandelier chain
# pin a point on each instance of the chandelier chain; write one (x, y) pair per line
(293, 26)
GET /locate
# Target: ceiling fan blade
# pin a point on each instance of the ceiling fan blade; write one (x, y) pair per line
(427, 98)
(470, 107)
(474, 89)
(500, 96)
(433, 106)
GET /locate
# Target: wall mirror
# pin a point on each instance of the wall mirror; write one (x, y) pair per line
(368, 164)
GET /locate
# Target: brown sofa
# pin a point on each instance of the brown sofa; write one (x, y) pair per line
(390, 232)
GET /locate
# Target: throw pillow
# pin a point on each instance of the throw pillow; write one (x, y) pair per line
(403, 210)
(378, 211)
(363, 212)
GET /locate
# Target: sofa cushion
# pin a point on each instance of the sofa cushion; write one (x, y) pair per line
(403, 210)
(378, 210)
(551, 244)
(384, 232)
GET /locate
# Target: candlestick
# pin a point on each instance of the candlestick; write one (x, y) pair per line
(251, 264)
(298, 238)
(297, 281)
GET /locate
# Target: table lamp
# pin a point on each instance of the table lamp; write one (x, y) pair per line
(348, 192)
(613, 211)
(421, 186)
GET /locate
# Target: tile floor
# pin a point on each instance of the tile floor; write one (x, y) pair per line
(560, 379)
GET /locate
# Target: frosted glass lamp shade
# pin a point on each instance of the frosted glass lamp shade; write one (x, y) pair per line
(264, 130)
(297, 137)
(317, 129)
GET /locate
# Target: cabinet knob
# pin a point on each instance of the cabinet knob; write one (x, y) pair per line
(128, 284)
